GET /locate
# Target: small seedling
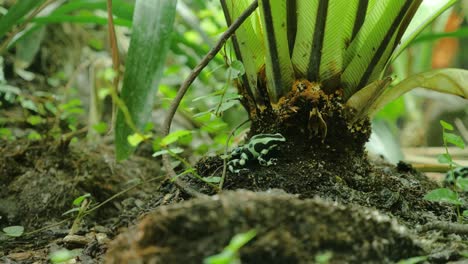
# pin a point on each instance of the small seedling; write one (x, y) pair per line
(81, 204)
(230, 254)
(446, 195)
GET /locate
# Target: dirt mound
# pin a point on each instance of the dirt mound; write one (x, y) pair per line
(289, 230)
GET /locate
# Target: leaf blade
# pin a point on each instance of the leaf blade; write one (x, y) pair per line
(152, 29)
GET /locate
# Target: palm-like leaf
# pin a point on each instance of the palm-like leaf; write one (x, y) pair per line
(340, 44)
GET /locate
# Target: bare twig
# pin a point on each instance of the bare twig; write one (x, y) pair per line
(115, 66)
(186, 84)
(456, 228)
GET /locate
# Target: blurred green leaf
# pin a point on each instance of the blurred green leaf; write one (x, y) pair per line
(16, 13)
(462, 183)
(168, 151)
(151, 38)
(444, 159)
(413, 260)
(446, 125)
(63, 255)
(174, 136)
(450, 81)
(80, 199)
(13, 231)
(454, 139)
(443, 195)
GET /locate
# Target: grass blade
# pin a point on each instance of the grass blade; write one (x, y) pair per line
(151, 37)
(15, 13)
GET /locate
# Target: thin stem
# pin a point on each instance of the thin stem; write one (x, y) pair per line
(185, 86)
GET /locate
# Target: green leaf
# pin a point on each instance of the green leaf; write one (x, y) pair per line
(450, 81)
(462, 183)
(229, 254)
(75, 209)
(427, 12)
(100, 127)
(413, 260)
(80, 199)
(373, 45)
(454, 139)
(136, 138)
(15, 13)
(14, 231)
(465, 214)
(212, 179)
(248, 43)
(63, 255)
(168, 151)
(446, 125)
(324, 31)
(35, 120)
(174, 136)
(444, 158)
(151, 38)
(443, 195)
(278, 66)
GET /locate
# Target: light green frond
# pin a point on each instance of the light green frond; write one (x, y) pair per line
(375, 42)
(307, 11)
(247, 42)
(279, 71)
(450, 81)
(427, 12)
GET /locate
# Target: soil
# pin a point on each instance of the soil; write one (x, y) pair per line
(320, 202)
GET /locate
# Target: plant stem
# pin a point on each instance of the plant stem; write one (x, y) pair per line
(185, 86)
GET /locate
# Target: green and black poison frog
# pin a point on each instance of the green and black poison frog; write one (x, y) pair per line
(258, 149)
(458, 172)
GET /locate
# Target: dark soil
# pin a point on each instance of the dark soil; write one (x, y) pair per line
(316, 200)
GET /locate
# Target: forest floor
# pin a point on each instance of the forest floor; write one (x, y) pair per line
(313, 209)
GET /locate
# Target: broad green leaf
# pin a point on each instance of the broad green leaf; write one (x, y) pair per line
(174, 136)
(427, 12)
(13, 231)
(465, 214)
(278, 66)
(443, 195)
(151, 38)
(446, 125)
(321, 39)
(450, 81)
(16, 13)
(373, 45)
(248, 44)
(444, 159)
(454, 139)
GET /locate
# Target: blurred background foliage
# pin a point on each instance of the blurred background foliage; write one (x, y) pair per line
(55, 78)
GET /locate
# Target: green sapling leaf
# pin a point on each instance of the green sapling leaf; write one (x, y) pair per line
(454, 139)
(80, 199)
(446, 125)
(13, 231)
(443, 195)
(444, 159)
(174, 136)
